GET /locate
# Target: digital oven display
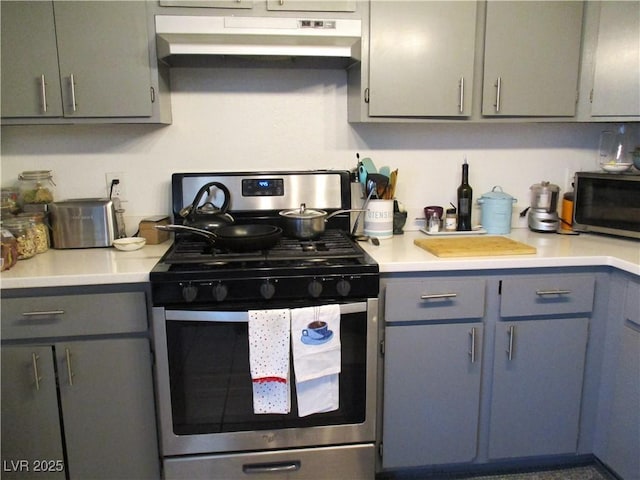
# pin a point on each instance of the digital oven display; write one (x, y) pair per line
(262, 187)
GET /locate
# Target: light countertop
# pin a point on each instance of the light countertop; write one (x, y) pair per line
(399, 254)
(87, 266)
(99, 266)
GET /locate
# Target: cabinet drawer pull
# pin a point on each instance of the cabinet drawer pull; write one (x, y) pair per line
(43, 313)
(36, 374)
(461, 106)
(70, 373)
(73, 92)
(43, 93)
(472, 352)
(498, 92)
(512, 334)
(434, 296)
(542, 293)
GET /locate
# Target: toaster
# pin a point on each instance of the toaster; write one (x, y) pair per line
(83, 223)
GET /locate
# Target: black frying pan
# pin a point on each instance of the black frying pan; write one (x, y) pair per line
(237, 238)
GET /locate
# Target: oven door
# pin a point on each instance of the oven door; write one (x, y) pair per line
(205, 401)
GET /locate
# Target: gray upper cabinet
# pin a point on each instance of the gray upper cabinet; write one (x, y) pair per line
(104, 58)
(30, 75)
(421, 58)
(616, 82)
(89, 60)
(531, 58)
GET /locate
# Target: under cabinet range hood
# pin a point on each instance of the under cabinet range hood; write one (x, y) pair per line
(181, 36)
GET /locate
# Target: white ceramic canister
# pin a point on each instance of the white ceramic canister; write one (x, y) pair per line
(496, 211)
(378, 219)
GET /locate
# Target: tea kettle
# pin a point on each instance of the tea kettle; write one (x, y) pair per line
(207, 216)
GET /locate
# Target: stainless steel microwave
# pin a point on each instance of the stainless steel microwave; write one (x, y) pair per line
(607, 203)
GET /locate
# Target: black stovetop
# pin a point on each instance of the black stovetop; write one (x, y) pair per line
(290, 266)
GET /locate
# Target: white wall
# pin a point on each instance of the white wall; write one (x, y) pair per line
(255, 119)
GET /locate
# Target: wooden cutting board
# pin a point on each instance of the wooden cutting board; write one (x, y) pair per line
(463, 246)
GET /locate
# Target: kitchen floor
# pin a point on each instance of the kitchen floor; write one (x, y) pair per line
(583, 472)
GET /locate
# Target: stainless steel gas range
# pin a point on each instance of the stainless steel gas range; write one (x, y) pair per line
(202, 296)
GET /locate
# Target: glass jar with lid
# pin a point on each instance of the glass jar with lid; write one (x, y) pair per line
(36, 186)
(40, 230)
(9, 202)
(24, 233)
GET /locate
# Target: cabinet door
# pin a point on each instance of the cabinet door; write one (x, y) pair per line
(537, 386)
(431, 394)
(616, 83)
(30, 422)
(623, 441)
(104, 58)
(106, 394)
(30, 77)
(531, 60)
(421, 58)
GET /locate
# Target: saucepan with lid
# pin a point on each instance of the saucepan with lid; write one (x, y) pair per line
(307, 223)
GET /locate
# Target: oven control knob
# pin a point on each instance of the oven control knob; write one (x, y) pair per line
(219, 292)
(315, 288)
(189, 293)
(267, 290)
(344, 287)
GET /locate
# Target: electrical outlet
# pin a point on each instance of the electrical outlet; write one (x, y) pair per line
(118, 189)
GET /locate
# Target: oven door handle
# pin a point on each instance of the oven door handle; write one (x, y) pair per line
(240, 317)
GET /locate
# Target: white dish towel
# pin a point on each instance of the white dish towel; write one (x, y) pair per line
(316, 358)
(269, 332)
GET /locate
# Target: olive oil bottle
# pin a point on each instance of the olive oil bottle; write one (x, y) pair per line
(465, 197)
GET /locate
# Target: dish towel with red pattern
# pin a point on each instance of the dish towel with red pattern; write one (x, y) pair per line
(269, 333)
(316, 348)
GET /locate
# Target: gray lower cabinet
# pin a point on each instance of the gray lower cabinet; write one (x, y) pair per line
(531, 58)
(623, 429)
(432, 371)
(31, 429)
(537, 386)
(483, 368)
(538, 364)
(78, 60)
(77, 389)
(432, 394)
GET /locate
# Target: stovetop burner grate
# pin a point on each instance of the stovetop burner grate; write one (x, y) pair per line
(333, 244)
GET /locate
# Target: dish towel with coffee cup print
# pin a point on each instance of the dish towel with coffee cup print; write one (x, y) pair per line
(269, 349)
(315, 341)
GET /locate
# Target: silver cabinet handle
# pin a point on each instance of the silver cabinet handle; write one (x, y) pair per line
(43, 313)
(512, 334)
(73, 92)
(36, 374)
(43, 93)
(461, 84)
(67, 354)
(434, 296)
(542, 293)
(472, 352)
(498, 91)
